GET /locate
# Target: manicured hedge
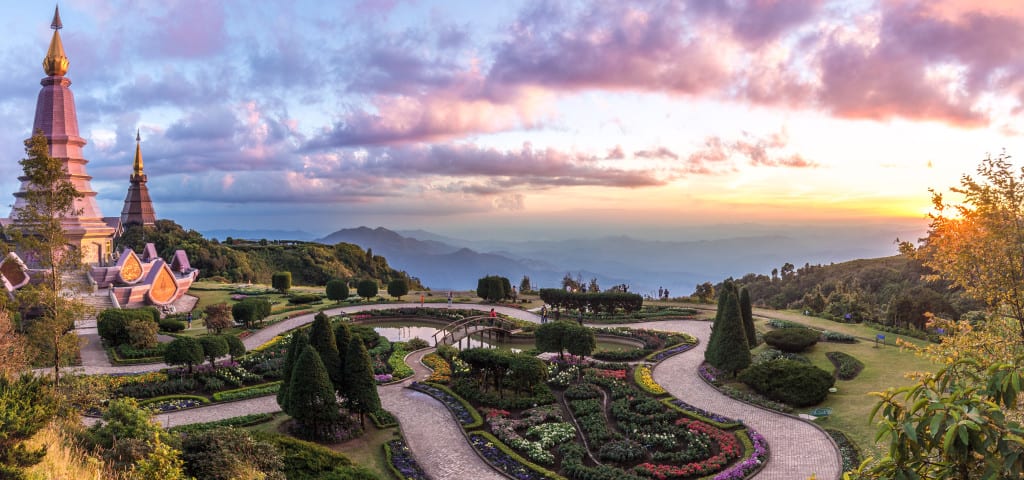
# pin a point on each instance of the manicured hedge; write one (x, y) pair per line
(792, 340)
(793, 383)
(247, 392)
(594, 302)
(242, 421)
(847, 367)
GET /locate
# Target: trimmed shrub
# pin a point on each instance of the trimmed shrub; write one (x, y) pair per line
(837, 337)
(398, 288)
(792, 340)
(281, 281)
(214, 346)
(337, 290)
(367, 288)
(171, 325)
(797, 384)
(304, 298)
(236, 348)
(142, 334)
(112, 324)
(847, 367)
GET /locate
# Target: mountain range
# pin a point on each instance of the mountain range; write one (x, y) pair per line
(443, 262)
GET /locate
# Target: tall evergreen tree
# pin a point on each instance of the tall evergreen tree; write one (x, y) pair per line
(747, 312)
(321, 337)
(342, 337)
(311, 396)
(298, 343)
(48, 199)
(711, 352)
(360, 387)
(732, 351)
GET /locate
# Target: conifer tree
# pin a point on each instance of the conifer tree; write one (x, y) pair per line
(732, 351)
(298, 344)
(747, 311)
(342, 337)
(711, 352)
(321, 337)
(360, 386)
(311, 396)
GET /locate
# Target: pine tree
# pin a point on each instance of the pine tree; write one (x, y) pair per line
(48, 199)
(299, 343)
(311, 396)
(747, 311)
(360, 386)
(342, 337)
(321, 337)
(711, 352)
(732, 350)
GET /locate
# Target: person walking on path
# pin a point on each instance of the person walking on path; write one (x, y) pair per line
(544, 314)
(579, 316)
(449, 299)
(421, 299)
(190, 320)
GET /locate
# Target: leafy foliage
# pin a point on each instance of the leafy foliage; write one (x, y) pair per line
(493, 288)
(321, 337)
(227, 453)
(398, 288)
(367, 288)
(281, 281)
(795, 383)
(213, 346)
(311, 399)
(337, 289)
(728, 349)
(250, 310)
(792, 340)
(27, 404)
(296, 346)
(593, 301)
(747, 311)
(360, 387)
(184, 351)
(218, 317)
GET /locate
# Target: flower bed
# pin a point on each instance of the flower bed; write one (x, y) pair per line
(401, 462)
(616, 374)
(441, 370)
(668, 352)
(719, 421)
(642, 377)
(543, 428)
(463, 412)
(247, 392)
(847, 366)
(174, 403)
(848, 450)
(507, 461)
(399, 369)
(242, 421)
(383, 418)
(713, 376)
(728, 450)
(756, 450)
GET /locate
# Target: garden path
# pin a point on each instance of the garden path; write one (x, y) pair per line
(95, 362)
(432, 433)
(798, 449)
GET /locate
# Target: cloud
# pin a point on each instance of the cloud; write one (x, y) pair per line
(717, 156)
(658, 152)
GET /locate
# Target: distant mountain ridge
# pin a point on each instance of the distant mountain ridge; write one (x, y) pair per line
(448, 262)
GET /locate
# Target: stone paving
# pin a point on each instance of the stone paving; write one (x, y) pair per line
(797, 448)
(433, 434)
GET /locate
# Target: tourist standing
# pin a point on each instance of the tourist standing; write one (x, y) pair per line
(189, 319)
(544, 314)
(494, 314)
(449, 299)
(421, 299)
(579, 316)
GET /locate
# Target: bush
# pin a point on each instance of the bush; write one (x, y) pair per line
(792, 340)
(247, 392)
(281, 281)
(171, 325)
(112, 324)
(242, 421)
(142, 334)
(847, 367)
(367, 288)
(304, 298)
(837, 337)
(225, 453)
(621, 451)
(184, 351)
(794, 383)
(416, 343)
(337, 290)
(398, 288)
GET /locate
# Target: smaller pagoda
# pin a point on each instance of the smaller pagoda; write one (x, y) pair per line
(138, 208)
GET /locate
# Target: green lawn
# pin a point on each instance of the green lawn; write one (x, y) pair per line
(367, 450)
(884, 367)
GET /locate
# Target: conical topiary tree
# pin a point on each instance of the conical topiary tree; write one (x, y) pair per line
(298, 343)
(311, 396)
(732, 351)
(321, 337)
(747, 312)
(711, 352)
(342, 337)
(360, 387)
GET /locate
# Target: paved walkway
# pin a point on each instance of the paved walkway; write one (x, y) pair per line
(797, 448)
(433, 434)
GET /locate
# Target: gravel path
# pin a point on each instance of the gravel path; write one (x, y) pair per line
(798, 449)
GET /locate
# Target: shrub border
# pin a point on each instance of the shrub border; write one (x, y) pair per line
(239, 421)
(242, 389)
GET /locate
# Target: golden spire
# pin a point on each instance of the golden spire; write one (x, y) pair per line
(137, 166)
(56, 63)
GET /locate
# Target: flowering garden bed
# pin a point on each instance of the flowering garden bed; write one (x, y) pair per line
(401, 461)
(610, 424)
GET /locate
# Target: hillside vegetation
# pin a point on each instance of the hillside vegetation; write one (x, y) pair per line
(240, 260)
(888, 290)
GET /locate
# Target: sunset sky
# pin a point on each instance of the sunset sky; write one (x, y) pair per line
(526, 119)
